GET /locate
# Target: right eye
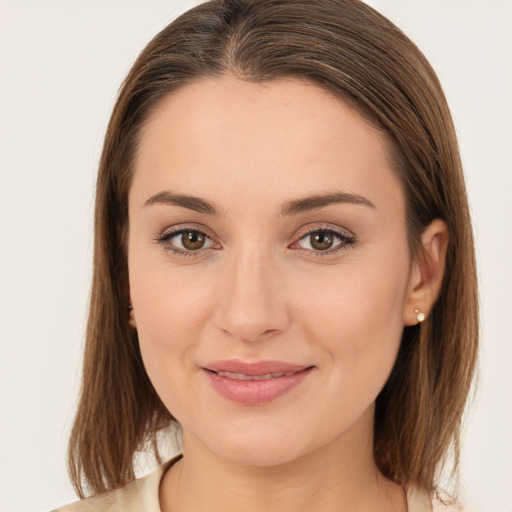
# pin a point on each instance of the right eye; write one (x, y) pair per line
(186, 242)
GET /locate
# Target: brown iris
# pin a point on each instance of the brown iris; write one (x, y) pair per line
(321, 240)
(193, 240)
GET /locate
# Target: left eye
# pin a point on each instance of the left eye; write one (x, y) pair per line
(323, 240)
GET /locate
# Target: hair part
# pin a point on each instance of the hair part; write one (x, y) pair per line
(347, 48)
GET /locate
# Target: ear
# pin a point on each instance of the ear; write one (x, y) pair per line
(426, 275)
(131, 314)
(131, 319)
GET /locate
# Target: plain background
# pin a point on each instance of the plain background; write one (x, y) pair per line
(61, 63)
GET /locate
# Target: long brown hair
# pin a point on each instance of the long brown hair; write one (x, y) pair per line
(353, 51)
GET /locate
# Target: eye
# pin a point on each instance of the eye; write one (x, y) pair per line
(324, 240)
(186, 241)
(190, 240)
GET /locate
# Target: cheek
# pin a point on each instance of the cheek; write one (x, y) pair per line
(356, 322)
(170, 309)
(356, 316)
(167, 300)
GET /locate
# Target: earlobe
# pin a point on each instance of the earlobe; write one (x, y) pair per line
(131, 318)
(427, 273)
(131, 315)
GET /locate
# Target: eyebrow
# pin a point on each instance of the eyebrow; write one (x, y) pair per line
(320, 201)
(192, 203)
(294, 207)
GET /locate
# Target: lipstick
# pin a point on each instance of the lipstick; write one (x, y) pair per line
(254, 383)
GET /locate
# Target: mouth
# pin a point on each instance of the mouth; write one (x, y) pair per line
(243, 376)
(255, 383)
(266, 368)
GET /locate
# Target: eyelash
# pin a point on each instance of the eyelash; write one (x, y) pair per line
(164, 239)
(345, 241)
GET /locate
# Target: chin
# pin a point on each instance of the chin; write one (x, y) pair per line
(258, 454)
(262, 445)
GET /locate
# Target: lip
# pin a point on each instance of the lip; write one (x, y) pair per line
(254, 383)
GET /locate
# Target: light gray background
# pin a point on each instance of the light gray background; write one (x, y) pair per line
(61, 63)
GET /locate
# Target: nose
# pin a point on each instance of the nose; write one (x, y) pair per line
(253, 306)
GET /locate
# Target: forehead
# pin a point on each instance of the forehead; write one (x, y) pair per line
(287, 135)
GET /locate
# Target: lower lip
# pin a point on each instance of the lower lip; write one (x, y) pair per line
(256, 392)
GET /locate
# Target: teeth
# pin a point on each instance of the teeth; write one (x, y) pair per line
(266, 376)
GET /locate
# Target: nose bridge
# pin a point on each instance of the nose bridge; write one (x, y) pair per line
(252, 305)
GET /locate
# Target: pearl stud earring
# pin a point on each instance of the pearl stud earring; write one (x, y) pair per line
(419, 315)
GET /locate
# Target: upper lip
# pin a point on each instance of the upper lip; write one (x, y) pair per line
(254, 368)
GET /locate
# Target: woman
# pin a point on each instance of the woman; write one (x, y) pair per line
(283, 265)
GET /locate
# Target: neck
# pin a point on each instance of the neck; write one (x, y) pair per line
(340, 476)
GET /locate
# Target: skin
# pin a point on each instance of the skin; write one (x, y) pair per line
(260, 289)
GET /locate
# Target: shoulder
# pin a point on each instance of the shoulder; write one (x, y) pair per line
(419, 500)
(126, 498)
(437, 506)
(129, 498)
(141, 495)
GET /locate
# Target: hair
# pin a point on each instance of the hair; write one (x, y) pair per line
(349, 49)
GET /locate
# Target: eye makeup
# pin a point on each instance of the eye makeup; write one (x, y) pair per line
(189, 241)
(186, 241)
(324, 241)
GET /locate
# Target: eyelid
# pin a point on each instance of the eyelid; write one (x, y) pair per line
(346, 237)
(192, 226)
(170, 232)
(325, 227)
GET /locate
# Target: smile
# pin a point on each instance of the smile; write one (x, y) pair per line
(255, 383)
(266, 376)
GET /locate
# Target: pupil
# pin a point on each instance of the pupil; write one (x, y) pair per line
(192, 240)
(321, 241)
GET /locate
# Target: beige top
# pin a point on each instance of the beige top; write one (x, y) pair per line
(141, 495)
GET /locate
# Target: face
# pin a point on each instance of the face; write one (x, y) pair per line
(268, 267)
